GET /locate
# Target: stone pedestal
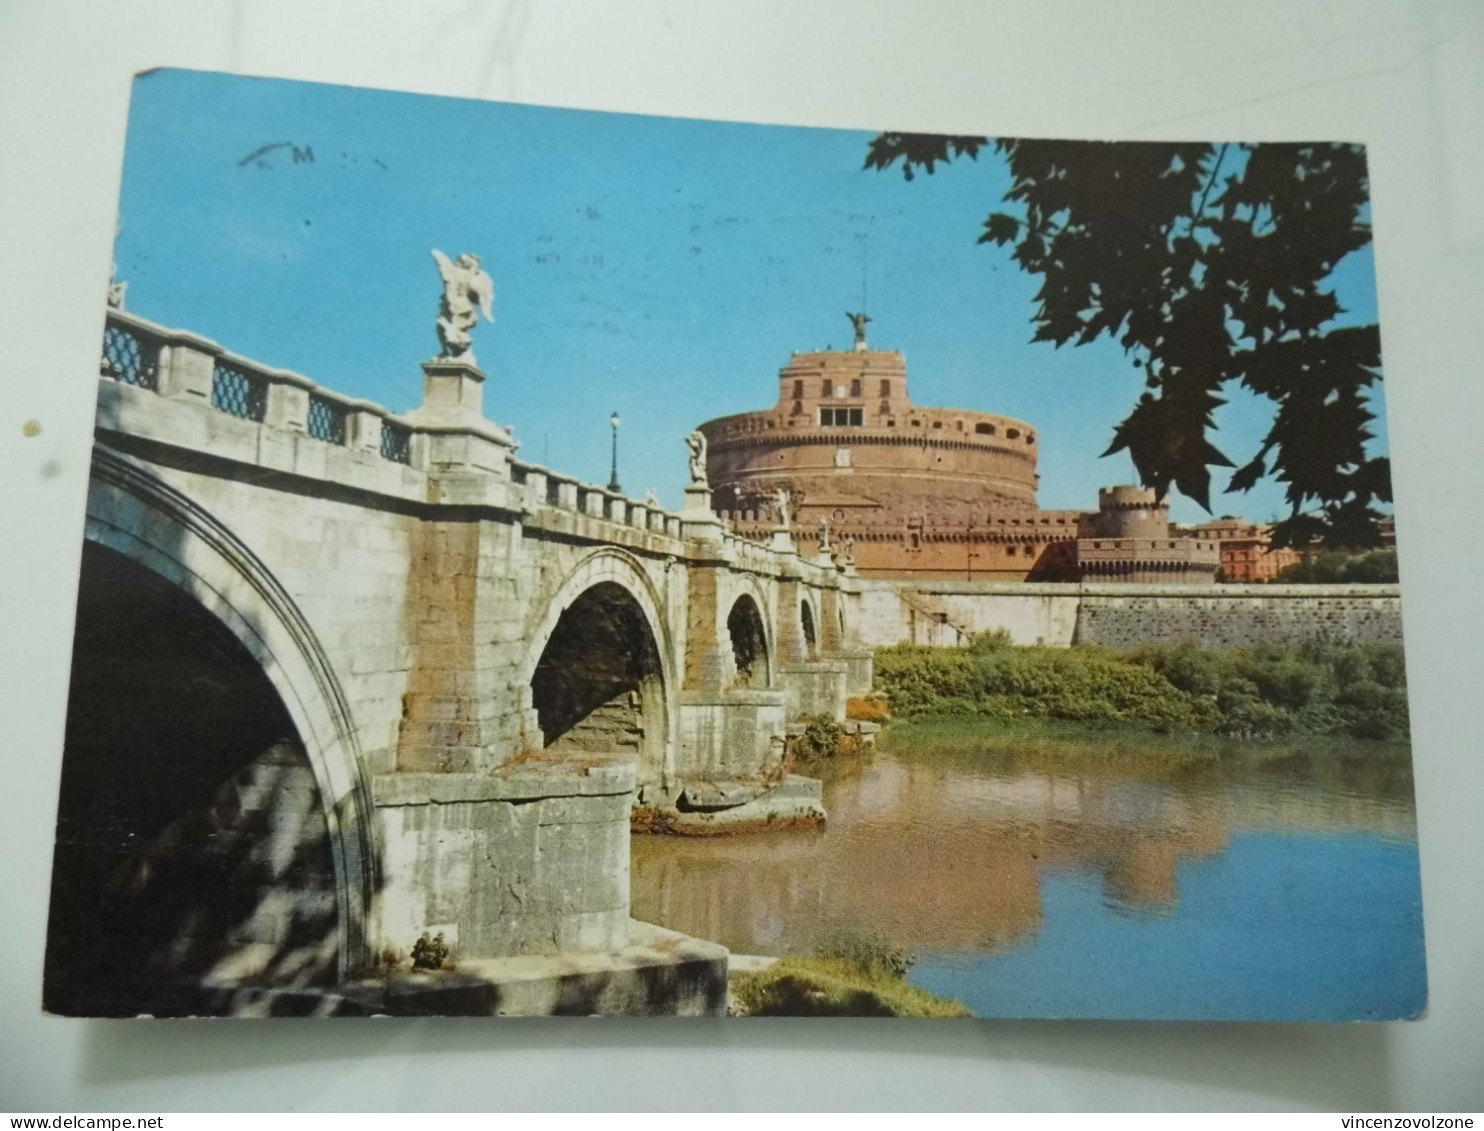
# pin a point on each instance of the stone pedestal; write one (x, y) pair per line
(460, 436)
(700, 521)
(453, 387)
(783, 541)
(698, 501)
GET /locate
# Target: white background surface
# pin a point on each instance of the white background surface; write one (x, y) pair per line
(1406, 78)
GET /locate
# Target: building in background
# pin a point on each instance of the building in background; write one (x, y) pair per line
(1247, 553)
(921, 493)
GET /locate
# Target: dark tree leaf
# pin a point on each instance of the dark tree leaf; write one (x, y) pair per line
(920, 151)
(1207, 264)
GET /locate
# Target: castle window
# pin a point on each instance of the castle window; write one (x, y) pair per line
(828, 390)
(1012, 433)
(937, 424)
(984, 429)
(885, 388)
(798, 408)
(885, 408)
(959, 424)
(1030, 438)
(799, 388)
(855, 387)
(917, 424)
(842, 417)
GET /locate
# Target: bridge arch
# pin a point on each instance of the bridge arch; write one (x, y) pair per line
(600, 667)
(809, 628)
(752, 651)
(304, 789)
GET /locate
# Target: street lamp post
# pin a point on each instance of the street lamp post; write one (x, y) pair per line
(613, 477)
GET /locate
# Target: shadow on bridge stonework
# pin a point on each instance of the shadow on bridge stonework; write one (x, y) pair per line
(192, 847)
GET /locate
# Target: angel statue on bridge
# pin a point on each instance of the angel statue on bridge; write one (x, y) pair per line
(695, 444)
(465, 284)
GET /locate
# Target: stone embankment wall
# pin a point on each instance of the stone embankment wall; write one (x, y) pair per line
(1127, 616)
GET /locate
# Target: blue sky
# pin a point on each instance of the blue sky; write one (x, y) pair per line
(660, 267)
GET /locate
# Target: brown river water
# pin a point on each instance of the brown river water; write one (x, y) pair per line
(962, 842)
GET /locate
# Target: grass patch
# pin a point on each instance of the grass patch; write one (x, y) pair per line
(836, 987)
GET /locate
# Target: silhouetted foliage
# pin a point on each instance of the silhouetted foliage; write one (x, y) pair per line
(1208, 264)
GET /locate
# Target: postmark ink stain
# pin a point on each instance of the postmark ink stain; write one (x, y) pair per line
(261, 158)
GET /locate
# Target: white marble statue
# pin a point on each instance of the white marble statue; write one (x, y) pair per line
(824, 535)
(116, 290)
(468, 291)
(781, 500)
(696, 444)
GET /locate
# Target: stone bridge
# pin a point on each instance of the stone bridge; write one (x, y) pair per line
(344, 677)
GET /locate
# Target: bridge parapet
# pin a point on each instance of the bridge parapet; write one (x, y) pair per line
(481, 623)
(546, 490)
(175, 387)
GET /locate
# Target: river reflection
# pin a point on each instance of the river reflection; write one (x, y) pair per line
(954, 842)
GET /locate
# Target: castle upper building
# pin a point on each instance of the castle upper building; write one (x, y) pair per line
(919, 492)
(916, 492)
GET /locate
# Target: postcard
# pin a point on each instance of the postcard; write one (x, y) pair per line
(540, 561)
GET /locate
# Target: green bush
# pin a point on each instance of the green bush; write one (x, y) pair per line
(1341, 567)
(822, 738)
(1263, 691)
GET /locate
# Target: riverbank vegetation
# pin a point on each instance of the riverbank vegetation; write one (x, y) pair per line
(848, 977)
(1339, 567)
(1264, 691)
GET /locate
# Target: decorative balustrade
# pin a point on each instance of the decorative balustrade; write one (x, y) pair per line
(547, 488)
(396, 442)
(131, 355)
(179, 365)
(239, 391)
(326, 420)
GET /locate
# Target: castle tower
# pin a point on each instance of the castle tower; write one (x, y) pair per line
(917, 491)
(1128, 539)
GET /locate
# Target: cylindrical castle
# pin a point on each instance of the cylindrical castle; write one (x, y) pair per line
(919, 492)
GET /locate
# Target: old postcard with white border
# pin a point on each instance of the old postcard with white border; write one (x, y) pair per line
(547, 562)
